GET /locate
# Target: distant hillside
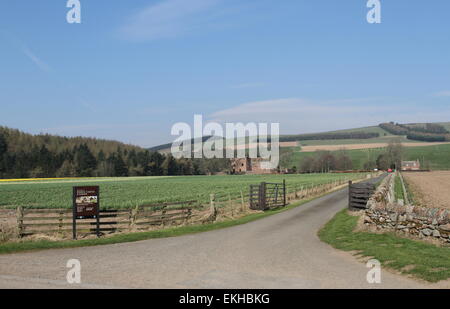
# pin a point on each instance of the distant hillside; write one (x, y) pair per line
(372, 134)
(355, 134)
(169, 145)
(363, 146)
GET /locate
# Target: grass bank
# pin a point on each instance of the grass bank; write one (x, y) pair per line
(398, 189)
(422, 260)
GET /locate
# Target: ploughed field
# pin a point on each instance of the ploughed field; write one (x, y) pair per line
(430, 189)
(363, 146)
(133, 191)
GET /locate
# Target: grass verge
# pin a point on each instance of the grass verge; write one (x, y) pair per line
(422, 260)
(15, 247)
(398, 189)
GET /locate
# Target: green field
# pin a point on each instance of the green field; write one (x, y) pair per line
(372, 129)
(433, 157)
(129, 192)
(381, 139)
(446, 125)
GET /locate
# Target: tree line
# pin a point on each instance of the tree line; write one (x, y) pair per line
(329, 136)
(429, 132)
(24, 155)
(328, 161)
(325, 162)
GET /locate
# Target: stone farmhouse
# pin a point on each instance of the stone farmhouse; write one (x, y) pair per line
(411, 165)
(250, 166)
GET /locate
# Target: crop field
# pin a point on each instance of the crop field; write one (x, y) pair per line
(337, 147)
(430, 189)
(129, 192)
(348, 142)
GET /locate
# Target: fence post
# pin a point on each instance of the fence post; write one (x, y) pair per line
(134, 216)
(242, 201)
(60, 220)
(350, 193)
(250, 198)
(212, 199)
(20, 221)
(230, 204)
(163, 216)
(284, 192)
(188, 215)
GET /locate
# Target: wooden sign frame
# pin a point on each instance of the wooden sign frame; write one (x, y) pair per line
(86, 205)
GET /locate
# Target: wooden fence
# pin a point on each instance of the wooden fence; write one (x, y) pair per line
(162, 214)
(359, 195)
(47, 221)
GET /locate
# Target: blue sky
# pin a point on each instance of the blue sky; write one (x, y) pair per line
(132, 69)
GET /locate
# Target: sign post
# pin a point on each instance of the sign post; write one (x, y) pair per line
(86, 205)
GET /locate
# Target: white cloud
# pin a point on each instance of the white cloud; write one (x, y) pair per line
(37, 61)
(445, 93)
(297, 115)
(167, 19)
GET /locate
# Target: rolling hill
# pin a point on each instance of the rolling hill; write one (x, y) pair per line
(360, 144)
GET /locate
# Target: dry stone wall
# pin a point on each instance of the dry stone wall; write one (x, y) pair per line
(383, 213)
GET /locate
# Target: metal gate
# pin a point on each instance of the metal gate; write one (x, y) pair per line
(267, 195)
(359, 195)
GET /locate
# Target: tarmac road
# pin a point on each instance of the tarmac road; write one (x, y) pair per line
(280, 251)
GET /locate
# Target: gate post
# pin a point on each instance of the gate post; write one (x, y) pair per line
(250, 198)
(19, 216)
(262, 196)
(350, 193)
(284, 192)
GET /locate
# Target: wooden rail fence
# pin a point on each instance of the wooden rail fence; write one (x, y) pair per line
(359, 195)
(46, 221)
